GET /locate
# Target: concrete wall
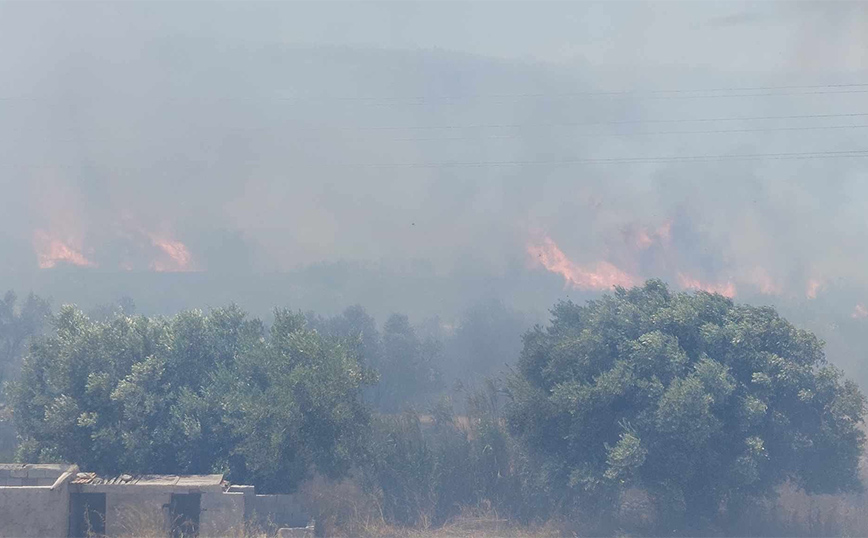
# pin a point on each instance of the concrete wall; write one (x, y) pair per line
(276, 511)
(34, 502)
(143, 511)
(222, 514)
(12, 474)
(38, 512)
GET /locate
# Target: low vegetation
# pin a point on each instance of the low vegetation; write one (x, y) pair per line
(641, 413)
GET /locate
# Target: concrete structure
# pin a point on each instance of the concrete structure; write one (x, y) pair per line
(34, 500)
(133, 505)
(59, 501)
(272, 512)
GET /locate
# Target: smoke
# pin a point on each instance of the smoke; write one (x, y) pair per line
(248, 140)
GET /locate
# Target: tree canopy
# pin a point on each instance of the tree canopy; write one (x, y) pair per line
(406, 363)
(193, 393)
(700, 401)
(19, 322)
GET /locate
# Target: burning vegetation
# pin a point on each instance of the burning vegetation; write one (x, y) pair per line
(642, 242)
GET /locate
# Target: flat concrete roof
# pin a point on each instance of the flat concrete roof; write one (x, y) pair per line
(165, 480)
(35, 475)
(59, 467)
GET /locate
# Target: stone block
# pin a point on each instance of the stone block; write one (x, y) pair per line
(14, 482)
(43, 473)
(295, 532)
(19, 473)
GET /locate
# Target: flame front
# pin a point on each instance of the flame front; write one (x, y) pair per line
(766, 284)
(642, 237)
(178, 258)
(726, 289)
(51, 250)
(602, 276)
(814, 286)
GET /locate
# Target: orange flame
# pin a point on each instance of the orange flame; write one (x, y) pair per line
(859, 312)
(602, 276)
(179, 257)
(51, 250)
(814, 286)
(687, 282)
(643, 238)
(766, 284)
(664, 231)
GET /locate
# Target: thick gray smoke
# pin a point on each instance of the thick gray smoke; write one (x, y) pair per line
(424, 147)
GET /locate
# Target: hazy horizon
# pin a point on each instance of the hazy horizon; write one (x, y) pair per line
(453, 151)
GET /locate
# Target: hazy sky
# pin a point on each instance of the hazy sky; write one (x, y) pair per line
(252, 136)
(726, 37)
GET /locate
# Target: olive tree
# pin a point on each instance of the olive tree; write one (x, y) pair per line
(702, 402)
(193, 393)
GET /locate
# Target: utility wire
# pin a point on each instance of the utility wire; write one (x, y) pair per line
(640, 133)
(411, 101)
(570, 135)
(695, 93)
(594, 123)
(861, 153)
(804, 90)
(623, 160)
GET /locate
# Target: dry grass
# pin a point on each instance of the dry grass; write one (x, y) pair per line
(472, 523)
(140, 522)
(344, 509)
(799, 514)
(483, 522)
(794, 513)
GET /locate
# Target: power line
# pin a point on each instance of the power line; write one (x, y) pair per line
(643, 133)
(602, 123)
(623, 160)
(695, 93)
(597, 123)
(861, 153)
(804, 89)
(415, 101)
(588, 135)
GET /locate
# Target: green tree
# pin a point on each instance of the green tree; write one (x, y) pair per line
(356, 328)
(194, 393)
(294, 404)
(19, 323)
(408, 366)
(702, 402)
(486, 340)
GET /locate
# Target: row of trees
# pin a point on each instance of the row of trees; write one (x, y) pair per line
(219, 391)
(20, 321)
(195, 393)
(702, 403)
(705, 405)
(418, 364)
